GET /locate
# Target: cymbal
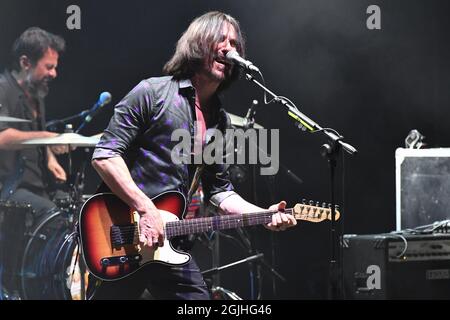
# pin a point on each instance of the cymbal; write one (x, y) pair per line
(238, 121)
(72, 139)
(11, 119)
(97, 136)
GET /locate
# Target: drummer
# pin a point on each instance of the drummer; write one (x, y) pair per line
(25, 173)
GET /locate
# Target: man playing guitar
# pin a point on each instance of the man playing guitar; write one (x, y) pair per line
(133, 156)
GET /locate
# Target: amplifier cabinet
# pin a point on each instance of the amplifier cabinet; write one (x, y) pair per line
(396, 266)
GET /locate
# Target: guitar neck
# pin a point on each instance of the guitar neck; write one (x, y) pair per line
(198, 225)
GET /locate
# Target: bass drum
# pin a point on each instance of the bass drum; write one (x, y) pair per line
(49, 268)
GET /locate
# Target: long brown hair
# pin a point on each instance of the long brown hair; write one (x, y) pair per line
(197, 45)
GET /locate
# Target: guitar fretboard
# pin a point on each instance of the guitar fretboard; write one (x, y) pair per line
(198, 225)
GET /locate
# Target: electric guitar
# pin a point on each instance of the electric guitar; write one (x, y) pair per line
(109, 231)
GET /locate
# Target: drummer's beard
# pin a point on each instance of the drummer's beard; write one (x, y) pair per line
(37, 88)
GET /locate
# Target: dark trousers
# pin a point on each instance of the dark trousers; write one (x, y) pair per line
(12, 231)
(38, 199)
(161, 281)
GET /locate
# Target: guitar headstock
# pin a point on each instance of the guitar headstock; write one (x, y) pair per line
(314, 213)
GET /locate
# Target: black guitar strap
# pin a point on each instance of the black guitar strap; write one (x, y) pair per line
(195, 181)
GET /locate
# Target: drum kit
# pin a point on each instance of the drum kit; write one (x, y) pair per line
(40, 259)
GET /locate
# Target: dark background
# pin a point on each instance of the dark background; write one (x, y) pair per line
(373, 86)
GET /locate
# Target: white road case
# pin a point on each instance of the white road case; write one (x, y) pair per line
(422, 186)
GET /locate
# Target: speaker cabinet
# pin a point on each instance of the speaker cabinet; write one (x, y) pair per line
(395, 266)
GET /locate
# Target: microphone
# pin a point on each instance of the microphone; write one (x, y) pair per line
(234, 57)
(105, 98)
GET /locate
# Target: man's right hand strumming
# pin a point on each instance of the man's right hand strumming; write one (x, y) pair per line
(151, 231)
(116, 175)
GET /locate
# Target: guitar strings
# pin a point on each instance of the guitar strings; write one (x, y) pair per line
(180, 227)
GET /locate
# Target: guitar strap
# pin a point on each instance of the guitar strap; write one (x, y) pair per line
(195, 181)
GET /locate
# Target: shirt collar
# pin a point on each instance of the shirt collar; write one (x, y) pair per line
(13, 82)
(185, 83)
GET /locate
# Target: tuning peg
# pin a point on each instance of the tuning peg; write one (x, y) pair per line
(304, 201)
(317, 204)
(324, 205)
(336, 207)
(311, 203)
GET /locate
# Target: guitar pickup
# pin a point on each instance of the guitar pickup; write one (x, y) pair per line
(121, 235)
(120, 260)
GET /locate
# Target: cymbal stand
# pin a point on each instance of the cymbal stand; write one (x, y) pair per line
(255, 267)
(216, 288)
(75, 179)
(255, 261)
(76, 186)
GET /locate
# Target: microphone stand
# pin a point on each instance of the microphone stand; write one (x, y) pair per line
(250, 259)
(249, 122)
(330, 151)
(82, 125)
(51, 124)
(89, 116)
(256, 268)
(218, 269)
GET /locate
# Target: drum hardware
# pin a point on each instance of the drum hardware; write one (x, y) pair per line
(6, 295)
(238, 174)
(240, 122)
(49, 263)
(39, 261)
(15, 220)
(218, 290)
(47, 257)
(71, 140)
(256, 262)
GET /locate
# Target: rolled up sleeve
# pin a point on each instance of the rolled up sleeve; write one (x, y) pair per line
(131, 116)
(217, 185)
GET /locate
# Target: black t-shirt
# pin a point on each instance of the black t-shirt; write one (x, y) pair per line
(14, 103)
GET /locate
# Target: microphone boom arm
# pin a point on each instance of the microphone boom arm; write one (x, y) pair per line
(51, 123)
(302, 119)
(330, 151)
